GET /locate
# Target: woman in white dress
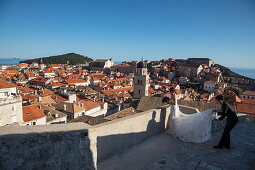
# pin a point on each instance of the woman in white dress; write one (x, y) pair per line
(190, 128)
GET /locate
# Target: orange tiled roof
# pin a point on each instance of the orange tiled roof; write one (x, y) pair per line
(113, 91)
(248, 101)
(71, 81)
(88, 104)
(32, 112)
(245, 108)
(210, 82)
(29, 97)
(248, 92)
(5, 84)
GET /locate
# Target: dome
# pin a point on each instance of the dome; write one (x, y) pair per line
(142, 64)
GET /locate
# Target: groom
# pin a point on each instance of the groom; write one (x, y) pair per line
(229, 112)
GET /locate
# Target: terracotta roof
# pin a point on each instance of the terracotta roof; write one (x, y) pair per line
(89, 120)
(47, 100)
(88, 104)
(51, 112)
(100, 60)
(149, 102)
(70, 107)
(249, 93)
(71, 81)
(123, 113)
(29, 97)
(248, 101)
(210, 82)
(32, 112)
(114, 91)
(54, 84)
(124, 65)
(245, 108)
(5, 84)
(26, 90)
(59, 98)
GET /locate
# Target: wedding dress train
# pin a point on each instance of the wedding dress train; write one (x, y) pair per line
(190, 128)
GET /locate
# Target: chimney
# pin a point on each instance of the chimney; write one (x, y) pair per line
(64, 107)
(56, 115)
(82, 105)
(39, 98)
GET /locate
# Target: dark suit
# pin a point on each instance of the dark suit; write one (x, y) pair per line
(229, 112)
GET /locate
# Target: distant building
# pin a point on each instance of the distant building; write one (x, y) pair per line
(101, 64)
(209, 86)
(248, 94)
(124, 68)
(141, 81)
(190, 71)
(200, 61)
(10, 104)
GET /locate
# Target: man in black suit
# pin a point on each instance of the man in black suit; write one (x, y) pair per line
(229, 112)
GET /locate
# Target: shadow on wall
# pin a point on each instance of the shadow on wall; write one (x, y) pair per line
(51, 150)
(110, 145)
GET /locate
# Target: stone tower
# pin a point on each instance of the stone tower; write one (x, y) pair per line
(141, 81)
(41, 65)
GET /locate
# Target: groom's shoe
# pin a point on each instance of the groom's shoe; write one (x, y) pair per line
(228, 147)
(217, 147)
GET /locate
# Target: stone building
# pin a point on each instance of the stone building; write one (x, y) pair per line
(199, 61)
(141, 81)
(209, 86)
(10, 104)
(248, 94)
(101, 64)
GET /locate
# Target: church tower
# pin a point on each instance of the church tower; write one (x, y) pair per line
(141, 81)
(41, 65)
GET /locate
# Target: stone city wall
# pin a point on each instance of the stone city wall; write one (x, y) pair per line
(45, 147)
(77, 145)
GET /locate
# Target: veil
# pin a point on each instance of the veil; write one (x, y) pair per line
(190, 128)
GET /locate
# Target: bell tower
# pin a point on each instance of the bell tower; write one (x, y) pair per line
(141, 80)
(41, 64)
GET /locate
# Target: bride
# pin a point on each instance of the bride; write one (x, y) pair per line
(190, 127)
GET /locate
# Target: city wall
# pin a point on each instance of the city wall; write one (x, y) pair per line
(77, 145)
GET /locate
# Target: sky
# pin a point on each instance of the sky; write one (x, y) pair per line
(223, 30)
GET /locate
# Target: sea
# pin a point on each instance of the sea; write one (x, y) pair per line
(248, 72)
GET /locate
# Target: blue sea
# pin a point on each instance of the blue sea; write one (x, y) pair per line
(248, 72)
(5, 61)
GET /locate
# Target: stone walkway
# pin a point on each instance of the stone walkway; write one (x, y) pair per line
(164, 152)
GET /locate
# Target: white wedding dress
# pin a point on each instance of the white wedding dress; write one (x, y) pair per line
(190, 128)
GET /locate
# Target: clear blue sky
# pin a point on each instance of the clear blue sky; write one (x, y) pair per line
(223, 30)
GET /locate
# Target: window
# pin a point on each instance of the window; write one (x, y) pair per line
(33, 123)
(139, 91)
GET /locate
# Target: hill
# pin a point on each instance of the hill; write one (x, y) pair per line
(237, 80)
(70, 58)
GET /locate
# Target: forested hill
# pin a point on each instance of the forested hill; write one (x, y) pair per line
(70, 58)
